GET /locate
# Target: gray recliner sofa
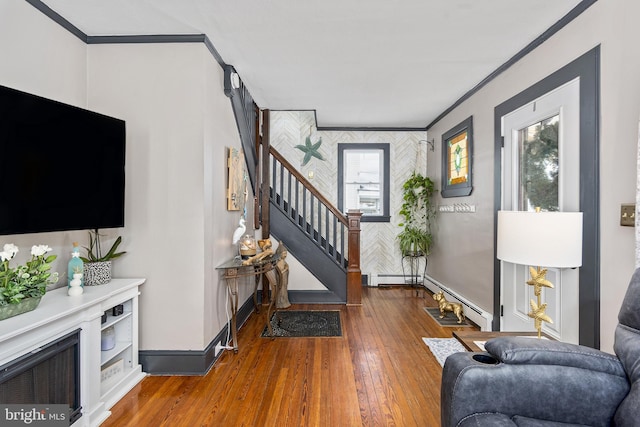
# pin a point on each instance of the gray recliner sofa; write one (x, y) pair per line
(529, 382)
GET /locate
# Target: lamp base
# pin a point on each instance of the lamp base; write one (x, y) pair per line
(538, 281)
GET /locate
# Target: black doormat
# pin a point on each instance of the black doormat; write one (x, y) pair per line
(307, 323)
(450, 319)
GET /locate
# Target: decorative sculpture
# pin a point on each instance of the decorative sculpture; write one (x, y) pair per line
(265, 246)
(282, 299)
(237, 234)
(537, 313)
(446, 306)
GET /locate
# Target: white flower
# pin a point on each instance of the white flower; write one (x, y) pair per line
(39, 250)
(5, 256)
(11, 249)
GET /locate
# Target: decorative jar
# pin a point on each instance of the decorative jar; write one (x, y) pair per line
(108, 338)
(247, 246)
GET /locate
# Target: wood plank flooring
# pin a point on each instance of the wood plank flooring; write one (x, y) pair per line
(379, 373)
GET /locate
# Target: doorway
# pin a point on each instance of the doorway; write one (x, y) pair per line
(540, 170)
(587, 69)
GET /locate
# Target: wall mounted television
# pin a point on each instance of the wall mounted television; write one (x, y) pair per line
(61, 167)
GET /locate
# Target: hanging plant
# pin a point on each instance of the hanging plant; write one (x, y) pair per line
(417, 212)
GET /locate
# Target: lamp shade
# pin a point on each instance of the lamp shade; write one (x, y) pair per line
(545, 239)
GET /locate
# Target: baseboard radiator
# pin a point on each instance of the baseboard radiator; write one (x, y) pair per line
(471, 311)
(377, 279)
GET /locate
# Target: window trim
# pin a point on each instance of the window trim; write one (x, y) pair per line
(386, 178)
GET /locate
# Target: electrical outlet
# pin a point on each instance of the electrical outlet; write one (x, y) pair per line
(628, 215)
(219, 348)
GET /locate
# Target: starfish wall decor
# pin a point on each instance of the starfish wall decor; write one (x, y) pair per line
(310, 150)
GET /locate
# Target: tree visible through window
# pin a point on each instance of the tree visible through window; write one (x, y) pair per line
(539, 165)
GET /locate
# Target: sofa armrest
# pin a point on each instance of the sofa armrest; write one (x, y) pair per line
(475, 383)
(533, 351)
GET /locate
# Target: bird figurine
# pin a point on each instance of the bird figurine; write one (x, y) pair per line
(239, 231)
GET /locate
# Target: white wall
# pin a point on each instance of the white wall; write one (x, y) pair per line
(470, 236)
(179, 123)
(40, 57)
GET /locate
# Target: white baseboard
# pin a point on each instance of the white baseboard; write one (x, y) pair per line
(471, 311)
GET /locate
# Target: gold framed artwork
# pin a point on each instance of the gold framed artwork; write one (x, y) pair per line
(457, 160)
(237, 184)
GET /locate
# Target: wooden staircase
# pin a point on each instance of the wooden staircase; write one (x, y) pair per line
(314, 231)
(324, 240)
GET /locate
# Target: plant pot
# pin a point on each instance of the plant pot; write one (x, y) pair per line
(97, 273)
(24, 306)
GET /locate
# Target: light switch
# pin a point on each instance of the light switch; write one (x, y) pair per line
(628, 215)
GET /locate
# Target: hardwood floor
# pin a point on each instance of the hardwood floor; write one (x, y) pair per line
(379, 373)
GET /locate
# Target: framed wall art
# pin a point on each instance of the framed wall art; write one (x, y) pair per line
(457, 160)
(237, 183)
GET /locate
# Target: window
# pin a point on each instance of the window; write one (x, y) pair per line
(539, 166)
(363, 180)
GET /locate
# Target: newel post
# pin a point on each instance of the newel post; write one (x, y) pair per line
(354, 275)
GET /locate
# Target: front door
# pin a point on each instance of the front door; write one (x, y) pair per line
(541, 169)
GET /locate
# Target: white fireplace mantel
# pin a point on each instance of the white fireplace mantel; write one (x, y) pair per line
(59, 314)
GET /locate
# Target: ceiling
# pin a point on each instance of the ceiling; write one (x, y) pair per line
(373, 63)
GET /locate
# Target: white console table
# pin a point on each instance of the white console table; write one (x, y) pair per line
(106, 376)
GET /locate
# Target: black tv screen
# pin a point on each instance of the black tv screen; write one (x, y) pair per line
(61, 167)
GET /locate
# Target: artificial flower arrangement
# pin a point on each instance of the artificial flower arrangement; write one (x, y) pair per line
(29, 280)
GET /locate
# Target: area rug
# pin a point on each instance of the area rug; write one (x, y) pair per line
(449, 320)
(307, 323)
(443, 347)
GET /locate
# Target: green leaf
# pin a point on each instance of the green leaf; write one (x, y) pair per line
(118, 255)
(113, 249)
(417, 211)
(93, 251)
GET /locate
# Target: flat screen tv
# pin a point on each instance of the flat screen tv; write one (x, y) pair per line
(61, 167)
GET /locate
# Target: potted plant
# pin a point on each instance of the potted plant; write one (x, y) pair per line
(417, 212)
(22, 287)
(97, 264)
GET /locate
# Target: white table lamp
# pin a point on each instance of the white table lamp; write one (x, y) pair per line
(542, 239)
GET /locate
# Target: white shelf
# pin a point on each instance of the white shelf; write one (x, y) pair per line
(112, 320)
(108, 355)
(119, 368)
(59, 314)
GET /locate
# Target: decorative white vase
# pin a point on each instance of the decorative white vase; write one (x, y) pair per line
(75, 285)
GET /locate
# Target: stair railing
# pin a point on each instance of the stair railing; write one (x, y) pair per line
(336, 234)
